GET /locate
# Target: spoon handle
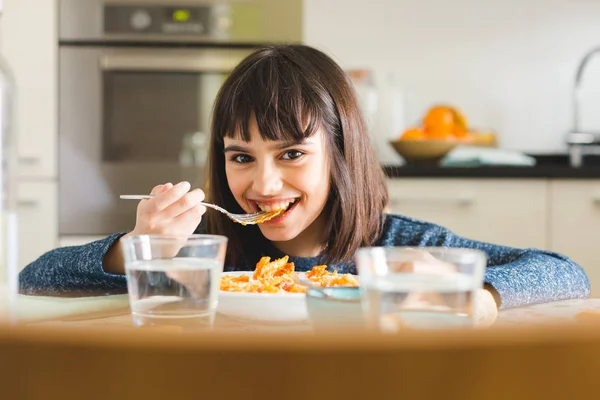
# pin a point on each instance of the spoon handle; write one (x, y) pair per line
(135, 196)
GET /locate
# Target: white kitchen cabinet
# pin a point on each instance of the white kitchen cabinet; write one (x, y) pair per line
(512, 212)
(29, 43)
(575, 224)
(37, 205)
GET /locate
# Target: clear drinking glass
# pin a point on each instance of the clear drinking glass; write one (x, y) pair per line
(9, 284)
(174, 280)
(419, 288)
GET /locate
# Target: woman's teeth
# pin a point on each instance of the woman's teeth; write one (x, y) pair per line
(283, 205)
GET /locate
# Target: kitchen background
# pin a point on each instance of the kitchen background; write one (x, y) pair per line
(508, 65)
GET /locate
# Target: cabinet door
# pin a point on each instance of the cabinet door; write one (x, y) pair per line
(575, 223)
(508, 212)
(29, 43)
(37, 213)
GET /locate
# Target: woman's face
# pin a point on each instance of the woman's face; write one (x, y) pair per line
(269, 175)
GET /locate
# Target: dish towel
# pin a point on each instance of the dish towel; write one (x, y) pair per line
(473, 156)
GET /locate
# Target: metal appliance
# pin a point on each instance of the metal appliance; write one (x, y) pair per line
(137, 81)
(581, 142)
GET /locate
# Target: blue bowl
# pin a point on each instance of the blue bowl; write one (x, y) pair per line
(334, 308)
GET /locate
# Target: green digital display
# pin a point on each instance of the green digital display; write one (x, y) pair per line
(181, 15)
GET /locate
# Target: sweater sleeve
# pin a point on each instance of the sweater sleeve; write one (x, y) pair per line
(73, 271)
(520, 276)
(524, 276)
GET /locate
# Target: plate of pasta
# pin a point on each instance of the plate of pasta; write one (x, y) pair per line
(270, 293)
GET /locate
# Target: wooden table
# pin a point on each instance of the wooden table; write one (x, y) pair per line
(113, 312)
(51, 358)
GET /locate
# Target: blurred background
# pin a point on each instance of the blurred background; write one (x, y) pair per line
(508, 65)
(115, 97)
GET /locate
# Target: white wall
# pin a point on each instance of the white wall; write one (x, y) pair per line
(508, 64)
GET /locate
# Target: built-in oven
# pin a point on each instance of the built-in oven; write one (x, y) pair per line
(137, 81)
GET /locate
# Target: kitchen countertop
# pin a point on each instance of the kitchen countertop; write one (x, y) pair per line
(547, 166)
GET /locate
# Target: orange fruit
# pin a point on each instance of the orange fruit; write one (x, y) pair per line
(439, 121)
(460, 133)
(460, 124)
(445, 122)
(439, 116)
(459, 119)
(413, 134)
(439, 134)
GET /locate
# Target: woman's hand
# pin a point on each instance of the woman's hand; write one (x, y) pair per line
(174, 210)
(485, 303)
(485, 310)
(422, 262)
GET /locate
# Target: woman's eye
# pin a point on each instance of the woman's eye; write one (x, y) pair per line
(292, 155)
(241, 158)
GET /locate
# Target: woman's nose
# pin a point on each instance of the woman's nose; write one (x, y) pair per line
(267, 180)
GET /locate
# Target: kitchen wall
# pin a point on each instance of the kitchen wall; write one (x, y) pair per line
(508, 64)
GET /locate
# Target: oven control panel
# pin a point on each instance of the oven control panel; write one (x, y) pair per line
(213, 20)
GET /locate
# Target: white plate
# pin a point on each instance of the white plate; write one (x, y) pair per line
(268, 307)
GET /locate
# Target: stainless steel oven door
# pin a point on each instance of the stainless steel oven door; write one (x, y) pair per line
(131, 118)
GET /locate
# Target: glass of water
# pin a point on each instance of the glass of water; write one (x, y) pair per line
(174, 280)
(419, 288)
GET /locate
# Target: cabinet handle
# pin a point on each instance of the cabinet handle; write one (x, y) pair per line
(29, 160)
(28, 203)
(456, 201)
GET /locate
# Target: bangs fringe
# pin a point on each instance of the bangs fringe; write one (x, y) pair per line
(284, 102)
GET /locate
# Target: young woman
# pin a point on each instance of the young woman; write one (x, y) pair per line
(287, 133)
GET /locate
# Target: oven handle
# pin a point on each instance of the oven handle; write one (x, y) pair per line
(195, 63)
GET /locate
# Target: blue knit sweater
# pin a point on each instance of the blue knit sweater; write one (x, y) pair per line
(520, 276)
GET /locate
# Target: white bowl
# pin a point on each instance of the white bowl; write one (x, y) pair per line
(267, 307)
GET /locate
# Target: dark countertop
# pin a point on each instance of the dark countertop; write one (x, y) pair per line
(547, 166)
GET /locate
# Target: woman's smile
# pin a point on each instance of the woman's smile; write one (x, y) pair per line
(290, 175)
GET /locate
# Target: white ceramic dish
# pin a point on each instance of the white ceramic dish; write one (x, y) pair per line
(267, 307)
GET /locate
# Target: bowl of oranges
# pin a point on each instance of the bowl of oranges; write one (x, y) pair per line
(443, 127)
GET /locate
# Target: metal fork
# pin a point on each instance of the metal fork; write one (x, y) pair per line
(244, 219)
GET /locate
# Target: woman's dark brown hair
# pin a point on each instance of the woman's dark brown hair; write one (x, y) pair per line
(292, 91)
